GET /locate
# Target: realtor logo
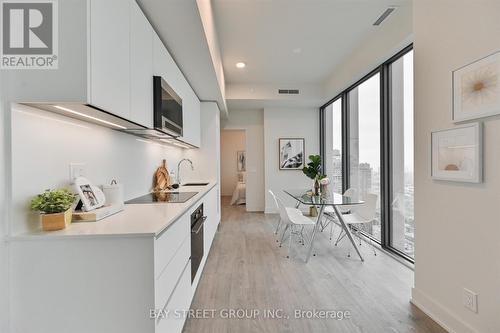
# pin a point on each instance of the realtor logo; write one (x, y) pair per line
(29, 34)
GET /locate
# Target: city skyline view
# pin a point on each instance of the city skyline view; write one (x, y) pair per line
(364, 150)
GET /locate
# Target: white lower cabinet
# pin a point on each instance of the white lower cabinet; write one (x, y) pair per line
(107, 284)
(175, 310)
(168, 243)
(166, 281)
(212, 222)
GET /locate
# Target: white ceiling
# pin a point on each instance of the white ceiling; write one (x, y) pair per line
(265, 33)
(180, 27)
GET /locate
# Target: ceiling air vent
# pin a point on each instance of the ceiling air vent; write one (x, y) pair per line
(288, 91)
(384, 15)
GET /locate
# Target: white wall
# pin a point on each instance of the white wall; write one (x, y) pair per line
(4, 308)
(383, 42)
(44, 144)
(206, 159)
(287, 123)
(231, 141)
(457, 224)
(253, 122)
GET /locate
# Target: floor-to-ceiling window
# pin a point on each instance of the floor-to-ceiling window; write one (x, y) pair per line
(367, 144)
(364, 143)
(401, 109)
(333, 144)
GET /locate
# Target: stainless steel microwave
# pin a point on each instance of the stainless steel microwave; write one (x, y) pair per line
(167, 108)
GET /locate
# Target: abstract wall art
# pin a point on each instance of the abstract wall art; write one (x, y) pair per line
(457, 154)
(242, 161)
(476, 89)
(291, 153)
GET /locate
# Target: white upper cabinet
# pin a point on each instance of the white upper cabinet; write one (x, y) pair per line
(165, 66)
(160, 56)
(110, 56)
(141, 68)
(191, 118)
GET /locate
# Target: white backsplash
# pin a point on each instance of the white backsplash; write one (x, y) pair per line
(44, 144)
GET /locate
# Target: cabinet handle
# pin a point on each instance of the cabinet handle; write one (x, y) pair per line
(203, 219)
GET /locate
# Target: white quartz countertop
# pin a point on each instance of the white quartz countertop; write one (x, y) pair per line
(135, 220)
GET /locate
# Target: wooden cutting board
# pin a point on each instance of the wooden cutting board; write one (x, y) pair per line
(162, 178)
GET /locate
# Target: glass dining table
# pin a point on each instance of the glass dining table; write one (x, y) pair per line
(332, 199)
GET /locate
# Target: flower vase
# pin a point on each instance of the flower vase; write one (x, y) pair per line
(317, 187)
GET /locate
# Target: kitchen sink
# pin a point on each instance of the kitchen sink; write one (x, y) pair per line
(195, 184)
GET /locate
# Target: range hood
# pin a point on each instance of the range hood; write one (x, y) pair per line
(92, 114)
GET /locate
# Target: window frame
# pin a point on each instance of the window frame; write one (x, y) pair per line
(386, 189)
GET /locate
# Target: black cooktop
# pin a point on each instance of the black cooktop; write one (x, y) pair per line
(161, 197)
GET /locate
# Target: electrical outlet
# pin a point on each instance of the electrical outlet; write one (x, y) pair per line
(76, 170)
(470, 300)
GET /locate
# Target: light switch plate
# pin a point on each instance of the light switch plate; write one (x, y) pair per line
(470, 300)
(76, 170)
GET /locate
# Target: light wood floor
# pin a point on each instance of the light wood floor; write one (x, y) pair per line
(247, 270)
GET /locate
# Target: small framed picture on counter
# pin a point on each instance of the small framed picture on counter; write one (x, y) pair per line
(90, 195)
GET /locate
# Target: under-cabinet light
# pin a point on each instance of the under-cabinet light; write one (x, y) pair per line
(87, 116)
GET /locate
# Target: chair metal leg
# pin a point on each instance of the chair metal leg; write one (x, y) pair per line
(277, 227)
(290, 240)
(323, 226)
(341, 236)
(283, 235)
(373, 246)
(347, 231)
(331, 230)
(316, 226)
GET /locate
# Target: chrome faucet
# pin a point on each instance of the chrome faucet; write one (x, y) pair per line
(179, 168)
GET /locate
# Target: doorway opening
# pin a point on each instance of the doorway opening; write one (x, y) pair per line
(233, 166)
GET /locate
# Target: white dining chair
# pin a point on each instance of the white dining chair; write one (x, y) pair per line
(294, 223)
(289, 209)
(329, 212)
(360, 215)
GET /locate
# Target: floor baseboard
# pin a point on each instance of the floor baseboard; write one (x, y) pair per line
(439, 313)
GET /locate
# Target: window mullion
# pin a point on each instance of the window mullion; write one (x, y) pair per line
(345, 142)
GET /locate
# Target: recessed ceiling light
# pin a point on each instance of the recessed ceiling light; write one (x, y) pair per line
(297, 50)
(240, 65)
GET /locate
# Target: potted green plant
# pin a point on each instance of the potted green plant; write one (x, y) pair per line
(313, 171)
(54, 207)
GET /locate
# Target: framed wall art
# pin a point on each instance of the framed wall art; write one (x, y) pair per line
(291, 153)
(457, 154)
(476, 89)
(241, 164)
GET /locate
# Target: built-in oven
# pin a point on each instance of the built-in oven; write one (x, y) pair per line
(197, 224)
